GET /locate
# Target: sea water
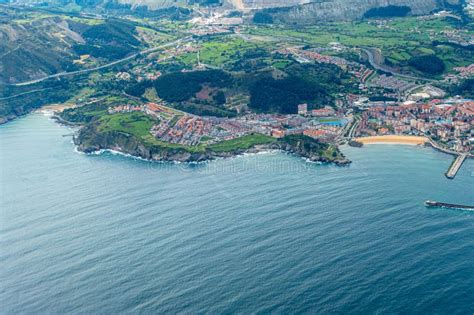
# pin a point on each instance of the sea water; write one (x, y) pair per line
(253, 234)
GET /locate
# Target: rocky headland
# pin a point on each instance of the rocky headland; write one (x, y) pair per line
(90, 140)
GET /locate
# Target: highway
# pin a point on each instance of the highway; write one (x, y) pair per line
(108, 65)
(24, 93)
(353, 127)
(377, 66)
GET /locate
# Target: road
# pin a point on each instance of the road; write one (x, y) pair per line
(108, 65)
(346, 133)
(24, 93)
(377, 66)
(441, 148)
(354, 127)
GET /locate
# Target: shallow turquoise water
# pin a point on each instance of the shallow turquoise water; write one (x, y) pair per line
(262, 233)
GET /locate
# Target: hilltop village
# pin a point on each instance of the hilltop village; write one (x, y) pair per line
(218, 83)
(383, 102)
(404, 107)
(448, 122)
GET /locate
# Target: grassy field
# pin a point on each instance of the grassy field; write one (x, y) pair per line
(243, 143)
(332, 152)
(189, 59)
(153, 37)
(399, 39)
(137, 124)
(225, 50)
(82, 95)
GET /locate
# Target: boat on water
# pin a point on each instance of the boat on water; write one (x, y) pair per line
(435, 204)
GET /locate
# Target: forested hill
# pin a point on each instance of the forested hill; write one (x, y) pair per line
(35, 45)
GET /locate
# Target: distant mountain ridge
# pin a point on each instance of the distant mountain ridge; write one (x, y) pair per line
(250, 4)
(323, 10)
(284, 11)
(265, 4)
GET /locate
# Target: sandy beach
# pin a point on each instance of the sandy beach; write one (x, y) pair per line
(393, 139)
(56, 107)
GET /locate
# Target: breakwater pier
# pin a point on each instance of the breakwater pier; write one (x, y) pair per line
(458, 161)
(455, 166)
(435, 204)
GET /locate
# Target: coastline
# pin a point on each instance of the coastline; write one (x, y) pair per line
(292, 192)
(256, 150)
(140, 152)
(55, 108)
(90, 140)
(393, 139)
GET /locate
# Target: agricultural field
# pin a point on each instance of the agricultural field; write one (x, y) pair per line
(224, 50)
(399, 39)
(247, 53)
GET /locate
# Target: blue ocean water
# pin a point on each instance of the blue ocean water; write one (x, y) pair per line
(263, 233)
(335, 123)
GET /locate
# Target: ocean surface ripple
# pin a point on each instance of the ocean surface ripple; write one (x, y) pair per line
(266, 233)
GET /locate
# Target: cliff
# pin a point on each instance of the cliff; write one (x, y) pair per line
(265, 4)
(150, 4)
(333, 10)
(292, 10)
(89, 140)
(311, 149)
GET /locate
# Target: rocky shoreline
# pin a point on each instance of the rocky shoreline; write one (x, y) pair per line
(208, 156)
(89, 141)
